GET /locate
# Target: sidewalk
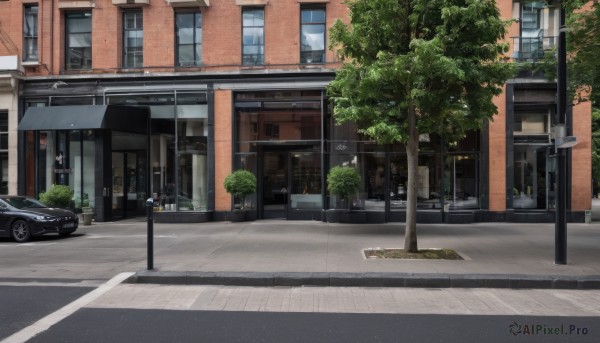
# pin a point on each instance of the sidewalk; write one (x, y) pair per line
(294, 253)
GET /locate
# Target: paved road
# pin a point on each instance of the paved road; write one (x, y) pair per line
(149, 326)
(121, 312)
(22, 305)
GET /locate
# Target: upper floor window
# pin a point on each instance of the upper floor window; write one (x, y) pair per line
(312, 44)
(30, 34)
(78, 42)
(133, 39)
(253, 43)
(188, 29)
(3, 130)
(531, 15)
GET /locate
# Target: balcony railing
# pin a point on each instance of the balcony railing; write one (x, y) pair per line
(531, 49)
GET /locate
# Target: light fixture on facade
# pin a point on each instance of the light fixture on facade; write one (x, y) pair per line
(561, 140)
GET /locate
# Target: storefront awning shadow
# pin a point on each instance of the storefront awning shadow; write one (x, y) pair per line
(114, 117)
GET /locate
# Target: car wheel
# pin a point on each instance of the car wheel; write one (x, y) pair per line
(20, 231)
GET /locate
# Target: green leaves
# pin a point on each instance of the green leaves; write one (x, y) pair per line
(240, 183)
(440, 57)
(343, 181)
(57, 196)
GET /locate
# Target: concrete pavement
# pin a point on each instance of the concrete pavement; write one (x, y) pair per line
(209, 266)
(294, 253)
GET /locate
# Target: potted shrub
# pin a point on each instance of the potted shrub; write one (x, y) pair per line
(344, 182)
(240, 184)
(57, 196)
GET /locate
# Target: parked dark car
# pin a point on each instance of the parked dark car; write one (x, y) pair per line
(22, 217)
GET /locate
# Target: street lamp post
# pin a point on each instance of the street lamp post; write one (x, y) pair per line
(562, 142)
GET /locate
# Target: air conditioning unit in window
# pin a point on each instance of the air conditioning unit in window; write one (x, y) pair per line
(188, 3)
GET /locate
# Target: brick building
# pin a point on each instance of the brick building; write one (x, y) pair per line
(128, 99)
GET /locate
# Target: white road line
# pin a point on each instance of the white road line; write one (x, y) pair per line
(53, 318)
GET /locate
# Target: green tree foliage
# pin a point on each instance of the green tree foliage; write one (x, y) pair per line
(343, 181)
(418, 66)
(583, 49)
(596, 145)
(57, 196)
(240, 183)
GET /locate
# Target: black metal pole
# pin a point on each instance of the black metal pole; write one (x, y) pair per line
(560, 239)
(150, 212)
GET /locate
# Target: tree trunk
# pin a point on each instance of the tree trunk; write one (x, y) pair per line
(412, 157)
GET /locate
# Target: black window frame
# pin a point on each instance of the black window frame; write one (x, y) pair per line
(253, 59)
(304, 54)
(77, 15)
(28, 35)
(135, 50)
(197, 56)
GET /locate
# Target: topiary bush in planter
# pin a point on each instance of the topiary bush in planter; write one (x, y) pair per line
(57, 196)
(240, 184)
(343, 182)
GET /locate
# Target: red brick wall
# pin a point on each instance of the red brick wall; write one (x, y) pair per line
(223, 147)
(497, 157)
(221, 36)
(581, 170)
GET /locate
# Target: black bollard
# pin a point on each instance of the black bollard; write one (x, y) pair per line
(150, 212)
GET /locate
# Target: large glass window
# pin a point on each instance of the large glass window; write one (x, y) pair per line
(30, 34)
(461, 189)
(82, 161)
(133, 39)
(178, 153)
(278, 121)
(78, 42)
(188, 30)
(253, 40)
(312, 40)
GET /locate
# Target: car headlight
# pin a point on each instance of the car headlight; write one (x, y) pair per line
(42, 218)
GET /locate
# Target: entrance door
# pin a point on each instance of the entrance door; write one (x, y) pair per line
(275, 184)
(127, 184)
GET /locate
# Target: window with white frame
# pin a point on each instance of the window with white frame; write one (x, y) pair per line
(133, 39)
(253, 41)
(30, 33)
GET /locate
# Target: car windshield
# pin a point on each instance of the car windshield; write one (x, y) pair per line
(21, 203)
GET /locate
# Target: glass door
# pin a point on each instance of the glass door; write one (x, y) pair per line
(305, 186)
(128, 184)
(275, 186)
(118, 185)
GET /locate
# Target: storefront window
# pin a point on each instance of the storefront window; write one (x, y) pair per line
(179, 176)
(305, 192)
(460, 181)
(82, 162)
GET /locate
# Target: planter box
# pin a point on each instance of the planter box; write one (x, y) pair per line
(85, 218)
(241, 216)
(345, 216)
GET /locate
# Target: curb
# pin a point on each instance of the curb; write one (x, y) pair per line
(416, 280)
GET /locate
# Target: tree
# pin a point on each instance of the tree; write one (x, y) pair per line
(414, 67)
(583, 49)
(596, 150)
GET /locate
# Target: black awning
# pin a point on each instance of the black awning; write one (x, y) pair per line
(115, 117)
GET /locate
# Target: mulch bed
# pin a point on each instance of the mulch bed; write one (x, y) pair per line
(425, 254)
